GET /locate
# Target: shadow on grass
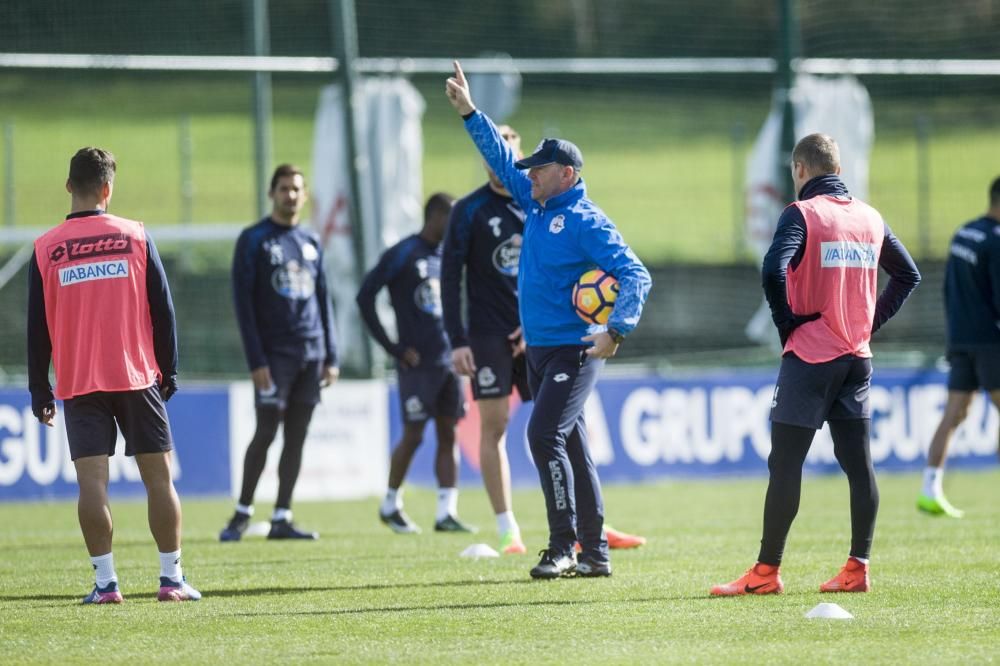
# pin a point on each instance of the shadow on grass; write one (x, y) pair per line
(267, 591)
(474, 606)
(356, 588)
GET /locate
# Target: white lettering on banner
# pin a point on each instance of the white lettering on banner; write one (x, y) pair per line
(602, 452)
(695, 425)
(42, 454)
(11, 448)
(345, 454)
(43, 471)
(847, 254)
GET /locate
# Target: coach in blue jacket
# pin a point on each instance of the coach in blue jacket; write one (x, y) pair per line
(565, 235)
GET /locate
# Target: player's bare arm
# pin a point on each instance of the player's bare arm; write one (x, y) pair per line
(457, 89)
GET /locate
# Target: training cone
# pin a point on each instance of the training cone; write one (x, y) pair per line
(829, 611)
(478, 550)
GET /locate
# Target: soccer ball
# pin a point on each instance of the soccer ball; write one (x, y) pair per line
(594, 296)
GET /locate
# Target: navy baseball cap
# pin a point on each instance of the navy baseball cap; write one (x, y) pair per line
(559, 151)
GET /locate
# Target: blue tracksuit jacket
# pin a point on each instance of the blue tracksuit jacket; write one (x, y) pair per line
(563, 239)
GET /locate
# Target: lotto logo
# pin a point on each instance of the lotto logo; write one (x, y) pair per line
(91, 246)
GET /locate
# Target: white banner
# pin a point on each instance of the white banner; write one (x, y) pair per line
(345, 454)
(838, 106)
(390, 159)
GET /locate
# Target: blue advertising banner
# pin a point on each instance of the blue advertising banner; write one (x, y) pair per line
(35, 462)
(716, 423)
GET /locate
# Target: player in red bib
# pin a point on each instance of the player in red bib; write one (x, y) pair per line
(99, 309)
(820, 277)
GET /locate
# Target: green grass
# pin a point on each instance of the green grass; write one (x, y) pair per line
(660, 157)
(362, 594)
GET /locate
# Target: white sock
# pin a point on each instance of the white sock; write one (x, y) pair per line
(281, 514)
(170, 566)
(104, 569)
(244, 509)
(933, 476)
(506, 523)
(863, 560)
(392, 502)
(447, 503)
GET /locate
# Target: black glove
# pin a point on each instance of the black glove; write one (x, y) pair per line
(168, 386)
(785, 330)
(42, 401)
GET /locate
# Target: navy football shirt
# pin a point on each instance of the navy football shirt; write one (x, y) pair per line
(411, 270)
(484, 238)
(972, 286)
(280, 293)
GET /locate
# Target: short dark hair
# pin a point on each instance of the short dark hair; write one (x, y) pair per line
(819, 153)
(438, 203)
(283, 171)
(995, 193)
(90, 168)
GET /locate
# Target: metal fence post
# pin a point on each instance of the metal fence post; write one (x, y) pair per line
(345, 50)
(9, 207)
(260, 43)
(923, 128)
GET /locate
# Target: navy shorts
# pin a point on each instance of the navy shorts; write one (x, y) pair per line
(972, 370)
(141, 416)
(497, 371)
(295, 380)
(807, 394)
(426, 393)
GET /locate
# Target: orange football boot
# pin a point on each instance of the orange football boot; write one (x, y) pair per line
(852, 578)
(759, 579)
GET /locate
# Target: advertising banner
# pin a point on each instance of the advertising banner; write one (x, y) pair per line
(345, 454)
(645, 428)
(35, 461)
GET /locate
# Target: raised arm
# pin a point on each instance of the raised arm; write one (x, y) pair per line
(490, 144)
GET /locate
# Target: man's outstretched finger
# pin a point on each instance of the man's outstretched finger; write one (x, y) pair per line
(459, 74)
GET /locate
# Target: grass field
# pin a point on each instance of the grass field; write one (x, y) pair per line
(661, 161)
(364, 595)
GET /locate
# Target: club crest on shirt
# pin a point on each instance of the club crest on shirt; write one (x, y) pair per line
(427, 297)
(293, 281)
(557, 224)
(309, 252)
(275, 254)
(486, 376)
(413, 406)
(507, 255)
